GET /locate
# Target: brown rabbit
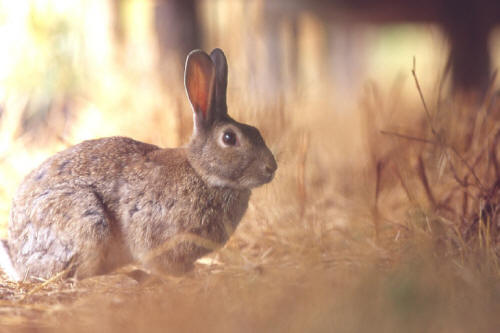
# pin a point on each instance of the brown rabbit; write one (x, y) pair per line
(107, 202)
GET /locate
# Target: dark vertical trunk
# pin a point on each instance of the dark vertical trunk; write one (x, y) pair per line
(468, 28)
(177, 28)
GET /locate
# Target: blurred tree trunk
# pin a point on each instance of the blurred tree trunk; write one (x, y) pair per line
(177, 28)
(468, 25)
(117, 20)
(275, 82)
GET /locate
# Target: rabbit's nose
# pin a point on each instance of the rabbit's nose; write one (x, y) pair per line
(271, 166)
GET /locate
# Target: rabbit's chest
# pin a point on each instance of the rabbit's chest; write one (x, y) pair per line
(211, 214)
(224, 204)
(158, 214)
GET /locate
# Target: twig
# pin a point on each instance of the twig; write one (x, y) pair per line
(47, 282)
(426, 109)
(379, 168)
(425, 181)
(482, 114)
(465, 202)
(408, 137)
(403, 183)
(446, 74)
(476, 178)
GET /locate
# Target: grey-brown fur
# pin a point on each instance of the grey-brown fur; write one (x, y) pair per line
(106, 202)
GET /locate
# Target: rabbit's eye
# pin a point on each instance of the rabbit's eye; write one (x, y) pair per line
(229, 138)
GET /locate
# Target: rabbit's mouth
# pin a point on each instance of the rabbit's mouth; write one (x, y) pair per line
(253, 182)
(267, 178)
(243, 183)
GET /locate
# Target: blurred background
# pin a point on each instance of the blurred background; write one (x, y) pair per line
(75, 70)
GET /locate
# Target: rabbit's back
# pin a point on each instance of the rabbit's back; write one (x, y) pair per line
(95, 164)
(92, 162)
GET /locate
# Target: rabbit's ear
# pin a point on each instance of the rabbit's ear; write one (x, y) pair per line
(220, 62)
(199, 80)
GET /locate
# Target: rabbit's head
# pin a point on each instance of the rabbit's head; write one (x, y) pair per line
(223, 151)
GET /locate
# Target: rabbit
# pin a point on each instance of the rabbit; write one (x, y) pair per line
(108, 202)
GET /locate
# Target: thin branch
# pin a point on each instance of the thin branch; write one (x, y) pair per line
(425, 181)
(465, 202)
(403, 183)
(408, 137)
(476, 178)
(426, 109)
(446, 74)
